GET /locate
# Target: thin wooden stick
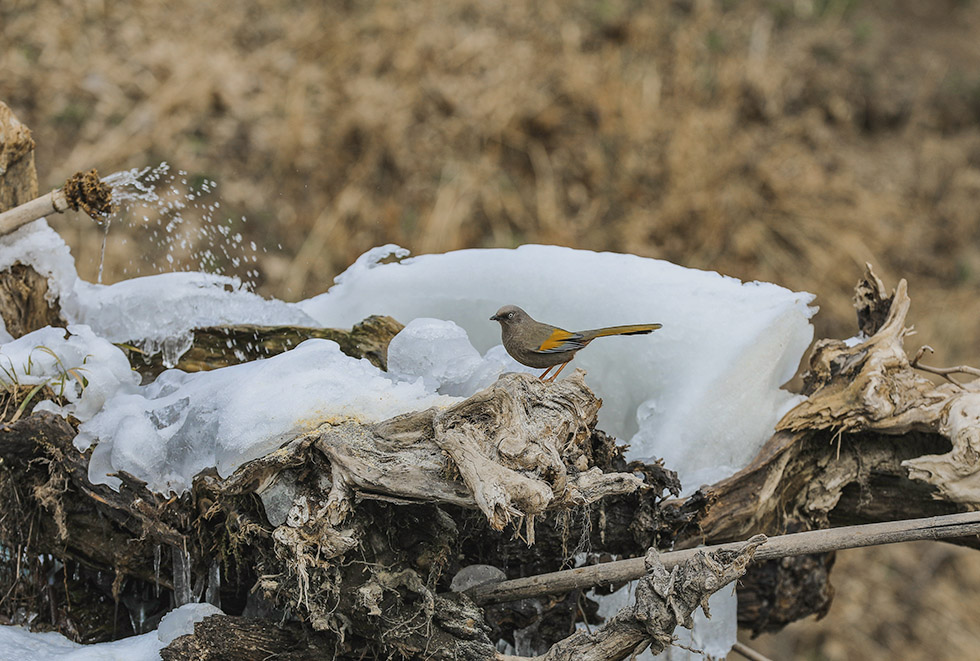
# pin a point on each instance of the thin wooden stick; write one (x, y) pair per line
(749, 653)
(801, 543)
(53, 202)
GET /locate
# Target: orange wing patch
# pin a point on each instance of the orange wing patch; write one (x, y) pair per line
(557, 339)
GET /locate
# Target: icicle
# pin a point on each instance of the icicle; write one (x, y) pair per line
(182, 576)
(156, 570)
(213, 594)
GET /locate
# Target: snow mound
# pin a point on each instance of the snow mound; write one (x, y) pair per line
(78, 365)
(40, 247)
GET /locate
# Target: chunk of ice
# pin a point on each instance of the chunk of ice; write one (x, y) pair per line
(702, 392)
(439, 352)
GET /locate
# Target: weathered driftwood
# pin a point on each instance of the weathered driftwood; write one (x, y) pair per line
(518, 447)
(846, 455)
(664, 600)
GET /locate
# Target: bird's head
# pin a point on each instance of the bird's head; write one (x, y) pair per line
(509, 314)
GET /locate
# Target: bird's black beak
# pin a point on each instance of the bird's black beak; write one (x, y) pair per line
(494, 318)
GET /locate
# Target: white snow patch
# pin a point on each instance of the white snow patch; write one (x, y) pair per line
(77, 364)
(17, 643)
(168, 431)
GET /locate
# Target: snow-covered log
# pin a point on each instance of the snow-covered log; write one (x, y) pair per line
(360, 504)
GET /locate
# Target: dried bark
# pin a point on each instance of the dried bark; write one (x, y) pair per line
(23, 301)
(225, 638)
(18, 178)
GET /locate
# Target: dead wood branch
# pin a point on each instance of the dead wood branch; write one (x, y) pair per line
(664, 600)
(802, 543)
(847, 455)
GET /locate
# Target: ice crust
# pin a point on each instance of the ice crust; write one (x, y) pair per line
(40, 247)
(440, 354)
(17, 643)
(159, 311)
(702, 392)
(167, 432)
(156, 311)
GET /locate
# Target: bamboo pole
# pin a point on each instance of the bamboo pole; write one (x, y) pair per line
(54, 202)
(82, 190)
(801, 543)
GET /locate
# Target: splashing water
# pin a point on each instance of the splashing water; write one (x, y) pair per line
(105, 238)
(174, 208)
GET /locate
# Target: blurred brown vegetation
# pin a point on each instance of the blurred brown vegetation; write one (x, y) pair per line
(781, 140)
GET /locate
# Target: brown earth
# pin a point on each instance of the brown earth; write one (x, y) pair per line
(788, 141)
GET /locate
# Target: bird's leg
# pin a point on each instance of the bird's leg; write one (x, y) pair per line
(560, 368)
(545, 373)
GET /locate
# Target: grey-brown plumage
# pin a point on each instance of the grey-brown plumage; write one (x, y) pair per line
(539, 345)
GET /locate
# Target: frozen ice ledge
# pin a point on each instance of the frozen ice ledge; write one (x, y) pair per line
(703, 392)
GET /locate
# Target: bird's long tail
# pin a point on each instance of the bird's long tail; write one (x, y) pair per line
(635, 329)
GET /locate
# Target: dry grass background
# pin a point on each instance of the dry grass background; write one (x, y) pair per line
(783, 140)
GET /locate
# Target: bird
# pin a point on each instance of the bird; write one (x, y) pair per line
(539, 345)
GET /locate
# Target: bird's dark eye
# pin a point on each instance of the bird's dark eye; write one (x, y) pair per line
(510, 315)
